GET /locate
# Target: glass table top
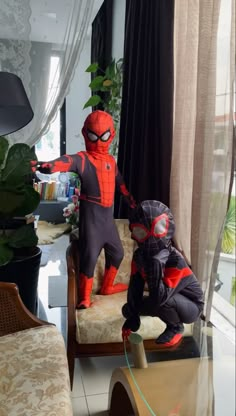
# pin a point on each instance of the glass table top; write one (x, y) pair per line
(195, 378)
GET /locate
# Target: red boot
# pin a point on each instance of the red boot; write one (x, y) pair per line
(107, 285)
(84, 291)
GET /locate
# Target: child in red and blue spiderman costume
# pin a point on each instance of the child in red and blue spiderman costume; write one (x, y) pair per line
(175, 295)
(99, 175)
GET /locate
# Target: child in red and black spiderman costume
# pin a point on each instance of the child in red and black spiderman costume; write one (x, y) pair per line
(99, 175)
(175, 295)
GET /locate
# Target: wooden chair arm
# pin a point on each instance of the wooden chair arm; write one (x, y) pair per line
(72, 270)
(14, 316)
(72, 260)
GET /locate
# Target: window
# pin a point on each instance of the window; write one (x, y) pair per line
(226, 273)
(49, 147)
(223, 310)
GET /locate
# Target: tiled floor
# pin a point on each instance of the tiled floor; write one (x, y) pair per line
(92, 375)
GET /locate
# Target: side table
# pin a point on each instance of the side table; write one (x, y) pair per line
(171, 388)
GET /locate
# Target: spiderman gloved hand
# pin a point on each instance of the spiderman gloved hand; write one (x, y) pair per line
(40, 166)
(125, 334)
(131, 324)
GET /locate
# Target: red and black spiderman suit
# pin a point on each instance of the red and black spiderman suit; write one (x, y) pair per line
(99, 176)
(175, 295)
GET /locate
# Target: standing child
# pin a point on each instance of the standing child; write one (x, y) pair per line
(99, 175)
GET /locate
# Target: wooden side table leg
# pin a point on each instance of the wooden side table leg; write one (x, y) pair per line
(119, 396)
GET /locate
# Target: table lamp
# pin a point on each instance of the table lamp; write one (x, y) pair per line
(15, 109)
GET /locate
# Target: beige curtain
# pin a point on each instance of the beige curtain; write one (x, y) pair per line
(202, 131)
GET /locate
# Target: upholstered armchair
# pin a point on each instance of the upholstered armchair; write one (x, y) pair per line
(33, 362)
(96, 331)
(14, 316)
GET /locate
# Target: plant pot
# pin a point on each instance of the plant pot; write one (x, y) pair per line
(24, 272)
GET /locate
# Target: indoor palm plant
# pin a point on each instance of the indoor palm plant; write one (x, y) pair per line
(19, 254)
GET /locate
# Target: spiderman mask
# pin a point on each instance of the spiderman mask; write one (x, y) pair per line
(98, 131)
(152, 226)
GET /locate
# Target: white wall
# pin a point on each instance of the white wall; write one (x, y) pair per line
(79, 90)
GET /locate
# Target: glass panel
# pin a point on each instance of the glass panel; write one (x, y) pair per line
(225, 279)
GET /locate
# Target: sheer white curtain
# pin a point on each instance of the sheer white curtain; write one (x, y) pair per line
(31, 33)
(203, 131)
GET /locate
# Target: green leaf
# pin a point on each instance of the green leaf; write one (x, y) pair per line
(105, 89)
(18, 201)
(11, 199)
(24, 236)
(3, 149)
(93, 101)
(6, 254)
(97, 83)
(30, 203)
(92, 68)
(18, 162)
(110, 70)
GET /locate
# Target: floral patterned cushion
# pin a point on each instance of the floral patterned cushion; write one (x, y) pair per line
(102, 322)
(34, 374)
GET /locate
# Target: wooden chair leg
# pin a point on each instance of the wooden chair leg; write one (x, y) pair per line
(71, 361)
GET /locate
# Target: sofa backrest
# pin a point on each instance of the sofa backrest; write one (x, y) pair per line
(125, 267)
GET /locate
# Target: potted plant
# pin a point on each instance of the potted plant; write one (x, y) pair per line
(19, 254)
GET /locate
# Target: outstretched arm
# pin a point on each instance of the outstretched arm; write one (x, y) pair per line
(65, 163)
(120, 185)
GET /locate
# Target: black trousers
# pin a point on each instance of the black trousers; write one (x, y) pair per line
(177, 309)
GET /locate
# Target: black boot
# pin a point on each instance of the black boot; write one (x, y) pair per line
(171, 336)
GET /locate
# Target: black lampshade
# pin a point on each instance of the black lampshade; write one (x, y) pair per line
(15, 109)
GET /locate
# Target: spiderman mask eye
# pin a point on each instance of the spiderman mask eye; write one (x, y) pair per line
(92, 136)
(160, 226)
(139, 233)
(105, 136)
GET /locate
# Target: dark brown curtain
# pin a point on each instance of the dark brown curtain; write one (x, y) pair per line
(101, 42)
(144, 157)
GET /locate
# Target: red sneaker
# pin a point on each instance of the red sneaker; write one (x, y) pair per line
(171, 336)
